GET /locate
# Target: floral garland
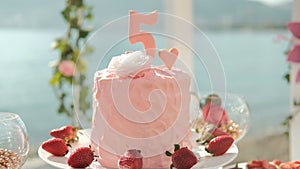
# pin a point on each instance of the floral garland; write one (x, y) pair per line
(293, 54)
(70, 68)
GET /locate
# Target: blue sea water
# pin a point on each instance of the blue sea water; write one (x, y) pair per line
(254, 66)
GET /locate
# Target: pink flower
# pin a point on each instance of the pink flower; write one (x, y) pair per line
(67, 68)
(214, 114)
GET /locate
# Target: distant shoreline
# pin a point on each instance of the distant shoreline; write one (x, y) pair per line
(241, 27)
(200, 26)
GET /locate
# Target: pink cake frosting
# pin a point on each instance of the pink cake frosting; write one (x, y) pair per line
(145, 109)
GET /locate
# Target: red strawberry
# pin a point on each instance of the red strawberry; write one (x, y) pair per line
(68, 133)
(260, 164)
(82, 157)
(55, 146)
(218, 132)
(183, 158)
(132, 159)
(290, 165)
(276, 162)
(219, 145)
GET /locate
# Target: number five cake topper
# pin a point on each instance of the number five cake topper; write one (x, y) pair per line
(137, 35)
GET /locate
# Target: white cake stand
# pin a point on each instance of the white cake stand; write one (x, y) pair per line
(206, 161)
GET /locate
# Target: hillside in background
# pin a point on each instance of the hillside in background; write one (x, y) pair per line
(240, 13)
(208, 13)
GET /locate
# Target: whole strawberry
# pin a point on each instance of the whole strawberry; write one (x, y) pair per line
(217, 132)
(219, 145)
(182, 158)
(68, 133)
(82, 157)
(56, 146)
(132, 159)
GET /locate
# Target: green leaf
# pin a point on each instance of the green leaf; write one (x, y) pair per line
(285, 122)
(72, 106)
(287, 77)
(287, 133)
(75, 55)
(168, 153)
(177, 147)
(69, 80)
(56, 43)
(83, 33)
(61, 108)
(62, 96)
(73, 22)
(54, 81)
(89, 16)
(63, 46)
(76, 3)
(66, 13)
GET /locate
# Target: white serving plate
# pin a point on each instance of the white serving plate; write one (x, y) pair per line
(206, 161)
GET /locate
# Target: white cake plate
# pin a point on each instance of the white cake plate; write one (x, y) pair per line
(206, 161)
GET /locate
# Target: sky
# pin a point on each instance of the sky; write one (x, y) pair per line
(273, 2)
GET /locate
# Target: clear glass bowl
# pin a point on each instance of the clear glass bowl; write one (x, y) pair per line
(231, 116)
(14, 142)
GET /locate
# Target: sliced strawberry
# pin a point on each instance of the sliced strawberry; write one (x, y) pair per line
(68, 133)
(261, 164)
(219, 145)
(290, 165)
(82, 157)
(265, 163)
(55, 146)
(254, 165)
(132, 159)
(276, 162)
(182, 158)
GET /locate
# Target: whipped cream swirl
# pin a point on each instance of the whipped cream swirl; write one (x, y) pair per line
(130, 64)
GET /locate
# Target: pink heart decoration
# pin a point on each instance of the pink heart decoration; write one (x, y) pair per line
(168, 57)
(294, 55)
(294, 27)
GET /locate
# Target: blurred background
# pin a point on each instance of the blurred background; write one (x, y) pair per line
(245, 34)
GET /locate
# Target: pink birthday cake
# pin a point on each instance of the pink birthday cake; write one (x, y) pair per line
(139, 106)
